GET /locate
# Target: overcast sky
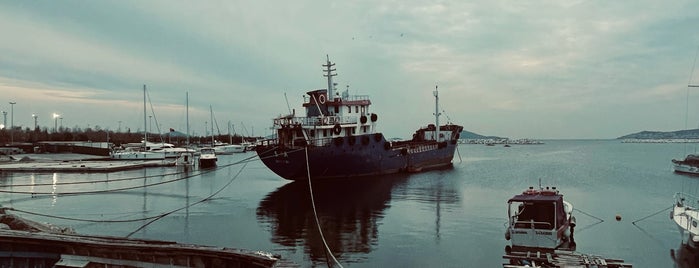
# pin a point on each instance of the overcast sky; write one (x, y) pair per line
(519, 69)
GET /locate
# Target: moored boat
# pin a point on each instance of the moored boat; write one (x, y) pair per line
(225, 148)
(686, 217)
(207, 157)
(540, 221)
(337, 138)
(689, 164)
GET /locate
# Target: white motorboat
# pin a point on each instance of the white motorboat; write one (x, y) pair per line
(686, 216)
(540, 221)
(168, 149)
(689, 165)
(229, 148)
(134, 153)
(207, 157)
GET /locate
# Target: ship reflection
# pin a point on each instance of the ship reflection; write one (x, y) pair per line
(349, 212)
(686, 256)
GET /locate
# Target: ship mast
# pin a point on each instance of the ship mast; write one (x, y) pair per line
(145, 123)
(328, 69)
(436, 113)
(187, 111)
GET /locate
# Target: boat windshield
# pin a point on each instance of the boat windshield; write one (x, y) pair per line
(540, 213)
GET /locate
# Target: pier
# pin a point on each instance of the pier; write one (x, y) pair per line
(73, 163)
(562, 259)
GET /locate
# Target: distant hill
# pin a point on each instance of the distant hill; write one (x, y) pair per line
(679, 134)
(470, 135)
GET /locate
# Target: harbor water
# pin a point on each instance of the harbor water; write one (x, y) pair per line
(443, 218)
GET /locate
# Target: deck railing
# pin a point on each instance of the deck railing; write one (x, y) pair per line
(315, 121)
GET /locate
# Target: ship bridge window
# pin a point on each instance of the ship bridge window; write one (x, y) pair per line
(349, 109)
(337, 109)
(363, 109)
(356, 109)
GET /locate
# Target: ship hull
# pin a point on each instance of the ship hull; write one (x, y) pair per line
(365, 156)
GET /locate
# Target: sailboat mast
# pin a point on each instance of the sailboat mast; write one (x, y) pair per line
(187, 112)
(145, 126)
(436, 113)
(211, 110)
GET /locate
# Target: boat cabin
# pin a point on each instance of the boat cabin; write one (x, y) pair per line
(539, 219)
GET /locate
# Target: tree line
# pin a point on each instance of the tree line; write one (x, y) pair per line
(97, 134)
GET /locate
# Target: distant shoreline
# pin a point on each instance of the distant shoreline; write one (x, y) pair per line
(500, 141)
(660, 140)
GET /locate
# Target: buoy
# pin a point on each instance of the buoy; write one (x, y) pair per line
(618, 217)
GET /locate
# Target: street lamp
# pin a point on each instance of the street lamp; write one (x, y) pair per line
(55, 122)
(12, 121)
(35, 118)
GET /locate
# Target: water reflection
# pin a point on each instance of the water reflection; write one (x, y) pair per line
(349, 212)
(686, 256)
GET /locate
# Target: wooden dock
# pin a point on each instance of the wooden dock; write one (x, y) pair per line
(81, 165)
(562, 259)
(41, 246)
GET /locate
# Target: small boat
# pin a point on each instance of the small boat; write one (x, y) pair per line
(229, 148)
(207, 157)
(169, 150)
(689, 165)
(134, 153)
(337, 138)
(185, 159)
(686, 216)
(540, 221)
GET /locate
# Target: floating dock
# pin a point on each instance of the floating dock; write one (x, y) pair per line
(562, 259)
(75, 163)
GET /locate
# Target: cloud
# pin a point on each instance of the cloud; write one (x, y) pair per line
(508, 61)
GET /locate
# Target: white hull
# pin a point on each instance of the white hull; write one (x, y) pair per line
(229, 149)
(686, 217)
(138, 156)
(207, 157)
(682, 168)
(185, 159)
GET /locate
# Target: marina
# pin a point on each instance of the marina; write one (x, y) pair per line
(359, 134)
(450, 217)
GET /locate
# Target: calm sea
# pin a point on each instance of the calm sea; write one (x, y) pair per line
(445, 218)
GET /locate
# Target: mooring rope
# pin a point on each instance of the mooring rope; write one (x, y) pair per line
(243, 161)
(139, 219)
(190, 205)
(589, 215)
(87, 182)
(315, 214)
(651, 215)
(458, 153)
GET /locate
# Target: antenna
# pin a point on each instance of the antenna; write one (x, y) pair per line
(436, 112)
(329, 74)
(287, 103)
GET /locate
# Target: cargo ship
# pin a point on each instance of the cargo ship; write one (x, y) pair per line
(337, 138)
